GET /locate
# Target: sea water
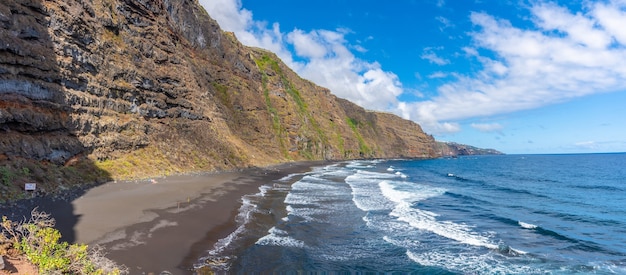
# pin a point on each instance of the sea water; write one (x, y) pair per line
(512, 214)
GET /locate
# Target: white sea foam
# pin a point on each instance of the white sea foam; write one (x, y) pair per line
(610, 268)
(381, 222)
(365, 193)
(361, 164)
(223, 243)
(312, 181)
(379, 191)
(309, 214)
(301, 191)
(401, 243)
(337, 172)
(470, 263)
(246, 210)
(362, 174)
(277, 231)
(287, 178)
(278, 237)
(263, 190)
(390, 169)
(426, 220)
(274, 240)
(527, 225)
(400, 174)
(248, 207)
(281, 187)
(408, 192)
(300, 201)
(320, 169)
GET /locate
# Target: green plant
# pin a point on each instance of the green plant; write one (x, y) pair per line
(265, 63)
(39, 242)
(222, 94)
(7, 175)
(339, 139)
(43, 249)
(364, 150)
(26, 171)
(278, 128)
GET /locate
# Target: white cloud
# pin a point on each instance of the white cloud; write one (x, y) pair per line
(597, 146)
(586, 144)
(438, 74)
(230, 15)
(612, 20)
(329, 61)
(565, 56)
(471, 52)
(308, 45)
(579, 29)
(347, 76)
(445, 23)
(430, 55)
(414, 92)
(487, 127)
(445, 127)
(359, 48)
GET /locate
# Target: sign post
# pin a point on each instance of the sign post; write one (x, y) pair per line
(30, 187)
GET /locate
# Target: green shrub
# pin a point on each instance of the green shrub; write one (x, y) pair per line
(43, 249)
(7, 175)
(38, 240)
(26, 171)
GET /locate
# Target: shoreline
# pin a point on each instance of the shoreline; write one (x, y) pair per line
(163, 224)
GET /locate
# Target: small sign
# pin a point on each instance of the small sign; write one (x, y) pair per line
(30, 186)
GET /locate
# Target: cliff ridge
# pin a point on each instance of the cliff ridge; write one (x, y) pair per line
(108, 89)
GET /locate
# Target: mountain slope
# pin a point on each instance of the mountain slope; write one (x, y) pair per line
(102, 89)
(453, 149)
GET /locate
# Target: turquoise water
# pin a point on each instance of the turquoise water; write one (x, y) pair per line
(513, 214)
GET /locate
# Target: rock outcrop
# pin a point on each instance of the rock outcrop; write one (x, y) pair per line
(453, 149)
(101, 89)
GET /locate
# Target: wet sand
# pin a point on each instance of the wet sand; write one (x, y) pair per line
(164, 224)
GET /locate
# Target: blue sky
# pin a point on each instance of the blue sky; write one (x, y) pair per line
(517, 76)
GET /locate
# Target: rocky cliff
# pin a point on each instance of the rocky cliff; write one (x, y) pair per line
(102, 89)
(453, 149)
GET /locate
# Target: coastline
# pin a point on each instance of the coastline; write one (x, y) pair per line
(160, 224)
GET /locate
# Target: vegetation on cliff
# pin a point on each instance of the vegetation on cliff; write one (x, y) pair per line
(37, 241)
(115, 89)
(448, 149)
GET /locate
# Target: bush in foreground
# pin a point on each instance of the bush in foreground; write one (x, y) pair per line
(38, 241)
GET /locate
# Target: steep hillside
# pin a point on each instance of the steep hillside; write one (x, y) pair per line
(103, 89)
(456, 149)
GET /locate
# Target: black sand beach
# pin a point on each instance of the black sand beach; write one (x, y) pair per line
(162, 224)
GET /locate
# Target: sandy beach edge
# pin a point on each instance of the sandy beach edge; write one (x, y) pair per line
(160, 224)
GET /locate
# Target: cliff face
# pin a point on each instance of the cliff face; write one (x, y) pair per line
(93, 90)
(453, 149)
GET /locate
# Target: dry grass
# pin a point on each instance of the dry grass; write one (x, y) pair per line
(36, 242)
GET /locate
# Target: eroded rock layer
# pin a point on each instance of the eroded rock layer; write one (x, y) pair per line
(101, 89)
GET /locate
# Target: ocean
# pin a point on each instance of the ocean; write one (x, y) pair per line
(509, 214)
